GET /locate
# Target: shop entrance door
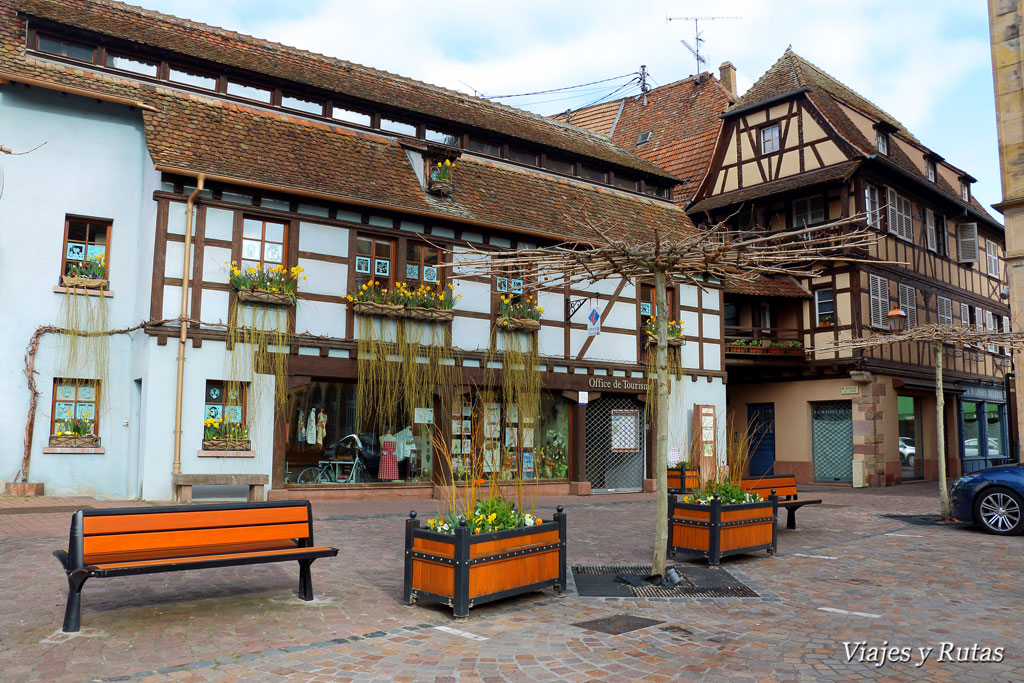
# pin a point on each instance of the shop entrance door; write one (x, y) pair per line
(615, 444)
(832, 440)
(761, 423)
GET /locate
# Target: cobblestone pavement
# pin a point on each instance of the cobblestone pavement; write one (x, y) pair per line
(848, 573)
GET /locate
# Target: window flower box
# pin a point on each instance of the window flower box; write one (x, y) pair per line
(683, 481)
(72, 282)
(716, 530)
(429, 314)
(518, 324)
(226, 445)
(673, 341)
(75, 440)
(373, 308)
(259, 296)
(463, 570)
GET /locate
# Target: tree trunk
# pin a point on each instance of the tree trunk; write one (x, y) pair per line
(661, 424)
(940, 429)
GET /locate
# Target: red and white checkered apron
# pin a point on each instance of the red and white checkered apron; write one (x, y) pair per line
(388, 469)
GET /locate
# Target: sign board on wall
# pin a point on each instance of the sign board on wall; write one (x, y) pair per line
(584, 397)
(625, 431)
(593, 323)
(849, 389)
(705, 428)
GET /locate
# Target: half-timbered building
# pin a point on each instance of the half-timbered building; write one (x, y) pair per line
(157, 133)
(800, 148)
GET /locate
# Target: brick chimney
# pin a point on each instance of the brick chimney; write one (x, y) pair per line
(728, 79)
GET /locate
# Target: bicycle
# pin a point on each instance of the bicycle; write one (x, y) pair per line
(319, 474)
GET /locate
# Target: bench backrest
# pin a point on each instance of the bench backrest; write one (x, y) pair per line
(784, 485)
(110, 535)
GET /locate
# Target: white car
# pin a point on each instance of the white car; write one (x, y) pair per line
(994, 448)
(908, 452)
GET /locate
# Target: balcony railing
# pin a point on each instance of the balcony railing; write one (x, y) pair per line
(782, 341)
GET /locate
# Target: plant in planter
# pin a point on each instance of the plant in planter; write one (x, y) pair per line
(89, 274)
(441, 179)
(423, 303)
(219, 435)
(675, 331)
(268, 285)
(825, 320)
(516, 312)
(76, 432)
(795, 345)
(720, 518)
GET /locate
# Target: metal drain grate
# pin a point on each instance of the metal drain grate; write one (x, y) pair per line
(617, 625)
(625, 581)
(921, 520)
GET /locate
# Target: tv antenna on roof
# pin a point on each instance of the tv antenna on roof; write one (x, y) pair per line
(697, 40)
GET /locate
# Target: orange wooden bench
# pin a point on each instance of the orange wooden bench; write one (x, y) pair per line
(149, 540)
(784, 486)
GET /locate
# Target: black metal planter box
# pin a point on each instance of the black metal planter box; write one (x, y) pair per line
(716, 530)
(464, 570)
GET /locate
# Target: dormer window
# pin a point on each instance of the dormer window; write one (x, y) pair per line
(302, 104)
(929, 170)
(770, 139)
(882, 142)
(64, 48)
(133, 64)
(644, 137)
(965, 191)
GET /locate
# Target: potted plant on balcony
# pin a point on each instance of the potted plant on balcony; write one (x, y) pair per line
(736, 346)
(89, 274)
(75, 433)
(675, 332)
(219, 435)
(776, 348)
(517, 312)
(266, 285)
(825, 320)
(795, 348)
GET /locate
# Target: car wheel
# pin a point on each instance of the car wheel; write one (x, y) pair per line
(911, 458)
(1000, 511)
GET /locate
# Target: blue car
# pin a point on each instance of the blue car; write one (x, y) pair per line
(991, 498)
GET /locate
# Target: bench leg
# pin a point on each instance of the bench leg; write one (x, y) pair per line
(790, 518)
(305, 580)
(183, 494)
(73, 611)
(256, 493)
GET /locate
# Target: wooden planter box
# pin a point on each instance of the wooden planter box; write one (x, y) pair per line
(429, 314)
(673, 342)
(261, 297)
(716, 530)
(442, 187)
(677, 483)
(77, 441)
(83, 282)
(464, 570)
(226, 444)
(521, 324)
(385, 310)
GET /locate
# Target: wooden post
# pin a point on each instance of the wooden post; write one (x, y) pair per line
(661, 425)
(940, 429)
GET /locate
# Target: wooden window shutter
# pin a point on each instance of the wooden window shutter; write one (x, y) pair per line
(944, 308)
(1006, 329)
(892, 199)
(908, 302)
(979, 318)
(967, 242)
(965, 315)
(879, 300)
(929, 220)
(906, 219)
(990, 325)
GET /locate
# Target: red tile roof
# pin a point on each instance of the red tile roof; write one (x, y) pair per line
(682, 118)
(205, 134)
(278, 61)
(765, 285)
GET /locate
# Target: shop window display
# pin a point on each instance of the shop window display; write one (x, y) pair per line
(325, 445)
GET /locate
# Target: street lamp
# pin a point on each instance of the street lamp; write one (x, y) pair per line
(897, 319)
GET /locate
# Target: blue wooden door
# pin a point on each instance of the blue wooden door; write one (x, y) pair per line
(761, 422)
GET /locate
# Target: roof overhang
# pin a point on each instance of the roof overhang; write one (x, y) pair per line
(763, 103)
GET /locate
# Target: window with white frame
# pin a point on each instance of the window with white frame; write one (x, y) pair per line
(965, 315)
(808, 211)
(770, 139)
(944, 309)
(992, 256)
(824, 307)
(929, 168)
(879, 301)
(882, 142)
(965, 191)
(908, 303)
(979, 318)
(874, 216)
(967, 242)
(901, 222)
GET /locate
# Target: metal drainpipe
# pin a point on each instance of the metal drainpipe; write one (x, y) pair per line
(182, 337)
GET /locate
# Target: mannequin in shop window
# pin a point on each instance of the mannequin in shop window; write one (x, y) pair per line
(388, 468)
(405, 451)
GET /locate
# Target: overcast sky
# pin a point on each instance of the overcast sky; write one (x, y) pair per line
(926, 62)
